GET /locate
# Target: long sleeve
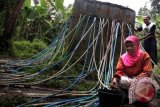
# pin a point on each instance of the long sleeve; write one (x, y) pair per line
(139, 29)
(147, 66)
(152, 30)
(120, 68)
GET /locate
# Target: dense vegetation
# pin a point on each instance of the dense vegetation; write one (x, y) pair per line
(29, 21)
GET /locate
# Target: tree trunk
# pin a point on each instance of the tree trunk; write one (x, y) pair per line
(5, 41)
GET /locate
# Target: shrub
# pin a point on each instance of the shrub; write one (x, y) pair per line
(26, 48)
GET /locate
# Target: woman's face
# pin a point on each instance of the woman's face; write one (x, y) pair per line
(130, 48)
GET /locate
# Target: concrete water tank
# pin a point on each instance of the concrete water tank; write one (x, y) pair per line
(105, 10)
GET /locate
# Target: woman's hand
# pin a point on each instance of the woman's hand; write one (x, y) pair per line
(114, 83)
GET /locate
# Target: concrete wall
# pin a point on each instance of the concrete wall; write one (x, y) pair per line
(105, 10)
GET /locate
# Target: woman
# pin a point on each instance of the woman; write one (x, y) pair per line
(134, 63)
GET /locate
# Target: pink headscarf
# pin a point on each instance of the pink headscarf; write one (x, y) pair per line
(127, 59)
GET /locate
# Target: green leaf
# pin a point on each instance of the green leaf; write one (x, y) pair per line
(59, 5)
(139, 19)
(49, 23)
(43, 3)
(52, 3)
(27, 3)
